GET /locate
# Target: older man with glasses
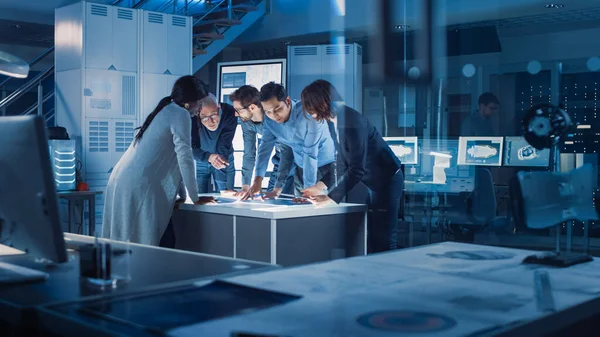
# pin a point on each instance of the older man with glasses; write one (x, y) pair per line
(246, 101)
(212, 142)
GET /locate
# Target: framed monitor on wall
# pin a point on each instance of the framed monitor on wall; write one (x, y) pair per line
(480, 151)
(232, 75)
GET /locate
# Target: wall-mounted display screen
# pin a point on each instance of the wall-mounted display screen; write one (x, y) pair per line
(517, 152)
(484, 151)
(233, 75)
(405, 148)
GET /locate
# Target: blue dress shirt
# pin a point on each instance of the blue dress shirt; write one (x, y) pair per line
(309, 140)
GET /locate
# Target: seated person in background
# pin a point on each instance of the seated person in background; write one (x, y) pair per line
(481, 123)
(362, 156)
(478, 124)
(212, 143)
(246, 101)
(309, 140)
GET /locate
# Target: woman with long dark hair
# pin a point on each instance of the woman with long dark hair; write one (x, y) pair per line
(362, 156)
(157, 166)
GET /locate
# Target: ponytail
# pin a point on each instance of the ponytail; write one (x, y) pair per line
(161, 105)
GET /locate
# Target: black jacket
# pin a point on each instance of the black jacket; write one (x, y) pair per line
(362, 155)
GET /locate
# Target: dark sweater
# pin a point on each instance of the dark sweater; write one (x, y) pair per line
(220, 141)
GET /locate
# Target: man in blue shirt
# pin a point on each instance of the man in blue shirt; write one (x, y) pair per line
(310, 140)
(246, 102)
(212, 142)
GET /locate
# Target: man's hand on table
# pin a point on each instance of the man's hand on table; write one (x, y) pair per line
(274, 194)
(245, 188)
(256, 188)
(321, 200)
(313, 191)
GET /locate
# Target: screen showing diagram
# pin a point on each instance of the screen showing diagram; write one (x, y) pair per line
(233, 75)
(405, 148)
(517, 152)
(485, 151)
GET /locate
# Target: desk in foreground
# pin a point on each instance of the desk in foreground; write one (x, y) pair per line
(149, 267)
(275, 231)
(446, 289)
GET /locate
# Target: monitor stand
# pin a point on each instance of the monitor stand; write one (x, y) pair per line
(558, 259)
(562, 259)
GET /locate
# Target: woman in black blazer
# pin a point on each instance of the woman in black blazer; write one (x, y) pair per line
(362, 156)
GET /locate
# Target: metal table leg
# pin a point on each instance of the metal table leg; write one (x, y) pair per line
(569, 235)
(586, 237)
(92, 215)
(69, 215)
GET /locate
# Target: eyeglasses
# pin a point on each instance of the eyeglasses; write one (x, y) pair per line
(242, 109)
(248, 114)
(214, 117)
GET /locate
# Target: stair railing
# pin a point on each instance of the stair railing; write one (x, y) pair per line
(32, 63)
(216, 5)
(36, 81)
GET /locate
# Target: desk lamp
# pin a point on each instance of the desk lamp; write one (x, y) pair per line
(552, 198)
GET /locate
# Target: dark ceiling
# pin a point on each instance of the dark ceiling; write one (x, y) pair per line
(26, 33)
(531, 24)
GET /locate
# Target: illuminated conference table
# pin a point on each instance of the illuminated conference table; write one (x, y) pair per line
(273, 231)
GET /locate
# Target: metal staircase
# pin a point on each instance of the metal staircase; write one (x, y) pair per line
(221, 23)
(38, 82)
(216, 24)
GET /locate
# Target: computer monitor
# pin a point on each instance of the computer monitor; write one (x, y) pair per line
(405, 148)
(28, 201)
(480, 151)
(232, 75)
(517, 152)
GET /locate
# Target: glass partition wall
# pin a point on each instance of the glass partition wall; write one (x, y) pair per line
(447, 86)
(457, 125)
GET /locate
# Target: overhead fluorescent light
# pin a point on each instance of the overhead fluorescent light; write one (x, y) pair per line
(584, 126)
(13, 66)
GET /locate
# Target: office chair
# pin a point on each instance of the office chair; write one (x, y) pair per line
(476, 211)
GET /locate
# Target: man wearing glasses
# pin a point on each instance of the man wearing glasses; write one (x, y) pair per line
(310, 141)
(212, 143)
(246, 101)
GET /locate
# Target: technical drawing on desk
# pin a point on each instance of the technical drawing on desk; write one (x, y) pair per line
(519, 153)
(259, 201)
(405, 148)
(486, 151)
